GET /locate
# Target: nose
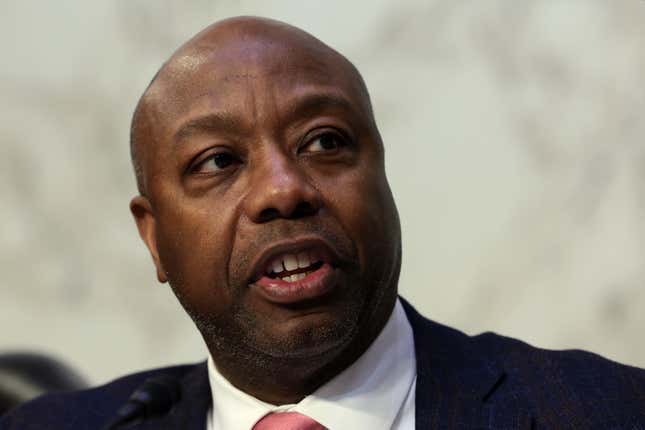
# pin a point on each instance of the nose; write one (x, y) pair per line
(280, 189)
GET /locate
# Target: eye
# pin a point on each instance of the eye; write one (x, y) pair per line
(327, 141)
(214, 163)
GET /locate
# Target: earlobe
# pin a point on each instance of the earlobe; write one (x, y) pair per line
(146, 224)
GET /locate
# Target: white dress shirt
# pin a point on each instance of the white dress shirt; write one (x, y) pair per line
(376, 392)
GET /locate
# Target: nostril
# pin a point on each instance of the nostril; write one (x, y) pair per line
(268, 215)
(303, 209)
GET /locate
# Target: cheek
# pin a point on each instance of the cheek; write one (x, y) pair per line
(362, 202)
(193, 250)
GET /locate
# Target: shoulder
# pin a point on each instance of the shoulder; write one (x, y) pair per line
(576, 387)
(570, 388)
(83, 409)
(576, 368)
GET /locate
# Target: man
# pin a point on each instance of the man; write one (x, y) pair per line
(264, 203)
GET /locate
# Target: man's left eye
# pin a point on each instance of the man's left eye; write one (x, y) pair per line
(323, 142)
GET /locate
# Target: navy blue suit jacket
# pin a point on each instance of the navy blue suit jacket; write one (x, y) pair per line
(481, 382)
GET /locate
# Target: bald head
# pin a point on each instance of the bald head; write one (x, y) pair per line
(235, 49)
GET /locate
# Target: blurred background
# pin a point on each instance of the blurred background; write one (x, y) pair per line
(515, 149)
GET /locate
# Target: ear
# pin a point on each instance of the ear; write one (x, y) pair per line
(146, 223)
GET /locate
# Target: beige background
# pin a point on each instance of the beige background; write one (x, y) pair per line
(515, 149)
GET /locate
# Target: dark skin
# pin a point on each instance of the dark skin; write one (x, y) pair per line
(256, 138)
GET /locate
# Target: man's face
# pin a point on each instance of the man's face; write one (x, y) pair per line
(269, 210)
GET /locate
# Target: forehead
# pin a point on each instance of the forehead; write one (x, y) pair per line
(243, 72)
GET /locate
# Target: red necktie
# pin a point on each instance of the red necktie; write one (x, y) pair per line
(287, 421)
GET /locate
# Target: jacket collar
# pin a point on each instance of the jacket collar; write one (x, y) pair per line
(456, 374)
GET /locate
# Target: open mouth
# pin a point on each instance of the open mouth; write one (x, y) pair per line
(291, 267)
(297, 271)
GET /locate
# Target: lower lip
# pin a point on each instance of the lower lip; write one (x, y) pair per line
(312, 286)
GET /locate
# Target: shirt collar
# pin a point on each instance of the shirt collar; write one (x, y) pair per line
(368, 394)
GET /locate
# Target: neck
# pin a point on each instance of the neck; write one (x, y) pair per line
(285, 382)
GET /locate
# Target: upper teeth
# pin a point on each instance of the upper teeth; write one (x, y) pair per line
(290, 262)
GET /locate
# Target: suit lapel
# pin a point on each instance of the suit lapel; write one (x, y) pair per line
(190, 412)
(455, 376)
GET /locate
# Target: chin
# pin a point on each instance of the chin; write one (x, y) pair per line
(308, 336)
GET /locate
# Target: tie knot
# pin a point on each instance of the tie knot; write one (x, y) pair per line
(287, 421)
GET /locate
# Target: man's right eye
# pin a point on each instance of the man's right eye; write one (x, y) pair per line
(214, 163)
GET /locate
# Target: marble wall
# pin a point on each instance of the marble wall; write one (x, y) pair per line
(515, 149)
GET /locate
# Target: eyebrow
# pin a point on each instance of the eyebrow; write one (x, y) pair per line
(312, 104)
(304, 106)
(216, 121)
